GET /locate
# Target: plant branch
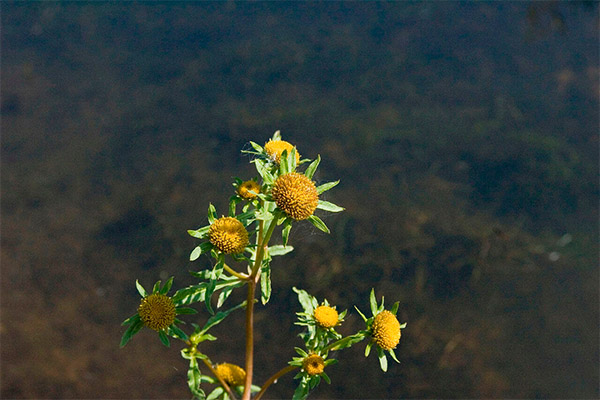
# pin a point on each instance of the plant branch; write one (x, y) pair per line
(273, 379)
(221, 381)
(235, 273)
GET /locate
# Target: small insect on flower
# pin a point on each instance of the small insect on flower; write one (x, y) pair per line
(232, 374)
(248, 190)
(296, 195)
(228, 235)
(274, 149)
(313, 364)
(326, 317)
(386, 330)
(157, 311)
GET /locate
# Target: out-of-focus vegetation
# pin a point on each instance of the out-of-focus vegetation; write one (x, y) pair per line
(466, 136)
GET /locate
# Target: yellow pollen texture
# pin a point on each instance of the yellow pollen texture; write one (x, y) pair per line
(157, 311)
(327, 317)
(386, 330)
(249, 186)
(296, 195)
(231, 374)
(228, 235)
(274, 148)
(313, 364)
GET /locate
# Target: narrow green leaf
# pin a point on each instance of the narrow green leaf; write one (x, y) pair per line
(361, 314)
(276, 135)
(285, 232)
(265, 283)
(394, 309)
(291, 160)
(215, 393)
(310, 171)
(212, 213)
(283, 163)
(318, 223)
(393, 354)
(164, 338)
(175, 331)
(220, 316)
(327, 206)
(130, 319)
(301, 391)
(368, 349)
(195, 253)
(264, 172)
(326, 186)
(314, 381)
(156, 287)
(200, 233)
(301, 351)
(167, 286)
(305, 299)
(194, 380)
(140, 289)
(256, 146)
(185, 310)
(373, 302)
(279, 250)
(224, 295)
(382, 359)
(233, 201)
(210, 289)
(326, 378)
(134, 328)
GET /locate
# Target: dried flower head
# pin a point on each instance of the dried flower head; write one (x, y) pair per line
(157, 311)
(245, 189)
(326, 316)
(313, 364)
(296, 195)
(274, 148)
(228, 235)
(386, 330)
(232, 374)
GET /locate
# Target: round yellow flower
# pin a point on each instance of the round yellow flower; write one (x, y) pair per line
(296, 195)
(245, 188)
(326, 316)
(228, 235)
(157, 311)
(386, 330)
(274, 148)
(313, 364)
(231, 374)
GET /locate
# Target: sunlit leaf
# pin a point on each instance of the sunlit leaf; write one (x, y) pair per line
(310, 171)
(326, 186)
(164, 338)
(327, 206)
(134, 328)
(279, 250)
(212, 213)
(167, 286)
(318, 223)
(140, 289)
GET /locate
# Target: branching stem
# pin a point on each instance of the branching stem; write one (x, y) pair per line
(273, 379)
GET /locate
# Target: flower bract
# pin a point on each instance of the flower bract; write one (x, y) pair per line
(386, 330)
(157, 311)
(228, 235)
(232, 374)
(296, 195)
(274, 148)
(326, 317)
(313, 364)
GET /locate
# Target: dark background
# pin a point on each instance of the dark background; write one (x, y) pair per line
(465, 136)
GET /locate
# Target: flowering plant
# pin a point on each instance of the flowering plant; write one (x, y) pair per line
(281, 197)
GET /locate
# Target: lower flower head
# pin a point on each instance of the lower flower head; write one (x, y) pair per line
(157, 311)
(245, 189)
(313, 364)
(386, 330)
(274, 148)
(296, 195)
(231, 374)
(326, 316)
(228, 235)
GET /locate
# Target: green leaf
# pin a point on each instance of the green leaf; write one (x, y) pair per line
(140, 289)
(382, 359)
(185, 310)
(361, 314)
(394, 309)
(190, 294)
(256, 146)
(326, 186)
(233, 201)
(195, 253)
(306, 300)
(220, 316)
(130, 319)
(167, 286)
(368, 349)
(265, 283)
(347, 341)
(224, 295)
(279, 250)
(156, 287)
(326, 378)
(136, 325)
(215, 393)
(393, 354)
(291, 160)
(200, 233)
(318, 223)
(301, 391)
(373, 302)
(264, 172)
(212, 213)
(327, 206)
(283, 163)
(194, 379)
(164, 338)
(276, 135)
(310, 171)
(285, 232)
(210, 289)
(175, 331)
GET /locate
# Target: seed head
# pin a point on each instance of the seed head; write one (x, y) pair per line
(386, 330)
(231, 374)
(296, 195)
(313, 364)
(274, 148)
(326, 316)
(228, 235)
(245, 189)
(157, 311)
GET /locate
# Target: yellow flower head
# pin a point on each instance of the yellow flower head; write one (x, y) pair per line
(157, 311)
(228, 235)
(386, 330)
(326, 316)
(245, 188)
(313, 364)
(274, 148)
(296, 195)
(231, 374)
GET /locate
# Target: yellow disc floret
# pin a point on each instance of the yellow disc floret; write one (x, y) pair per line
(274, 148)
(313, 364)
(248, 190)
(228, 235)
(386, 330)
(157, 311)
(231, 374)
(326, 316)
(296, 195)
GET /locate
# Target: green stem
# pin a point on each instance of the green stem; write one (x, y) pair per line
(235, 273)
(273, 379)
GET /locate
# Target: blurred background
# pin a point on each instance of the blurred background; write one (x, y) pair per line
(465, 136)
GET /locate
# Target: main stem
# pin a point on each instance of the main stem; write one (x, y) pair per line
(252, 281)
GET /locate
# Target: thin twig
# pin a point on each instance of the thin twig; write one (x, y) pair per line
(273, 379)
(221, 381)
